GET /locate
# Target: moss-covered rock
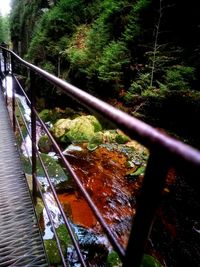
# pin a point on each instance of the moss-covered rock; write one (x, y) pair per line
(80, 129)
(61, 127)
(51, 246)
(115, 136)
(45, 115)
(55, 171)
(136, 172)
(44, 144)
(150, 261)
(95, 141)
(97, 138)
(63, 235)
(113, 260)
(52, 252)
(108, 136)
(95, 123)
(39, 207)
(121, 138)
(92, 147)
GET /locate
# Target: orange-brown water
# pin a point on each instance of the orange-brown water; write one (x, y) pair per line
(103, 174)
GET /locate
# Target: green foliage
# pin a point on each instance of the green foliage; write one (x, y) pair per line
(24, 18)
(149, 261)
(100, 44)
(104, 59)
(48, 66)
(133, 28)
(105, 50)
(179, 77)
(114, 58)
(113, 260)
(141, 84)
(128, 97)
(138, 87)
(4, 29)
(76, 50)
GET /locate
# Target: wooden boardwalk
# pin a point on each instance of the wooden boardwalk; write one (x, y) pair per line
(20, 239)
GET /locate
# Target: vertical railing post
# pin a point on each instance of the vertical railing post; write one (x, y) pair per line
(13, 92)
(33, 135)
(5, 60)
(0, 62)
(1, 73)
(148, 203)
(4, 53)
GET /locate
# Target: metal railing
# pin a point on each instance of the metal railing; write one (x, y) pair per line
(164, 152)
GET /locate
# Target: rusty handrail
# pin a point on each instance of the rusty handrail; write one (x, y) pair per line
(164, 151)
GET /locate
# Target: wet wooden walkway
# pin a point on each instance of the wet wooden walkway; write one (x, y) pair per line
(20, 240)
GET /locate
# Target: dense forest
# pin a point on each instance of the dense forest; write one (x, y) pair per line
(4, 29)
(141, 53)
(131, 46)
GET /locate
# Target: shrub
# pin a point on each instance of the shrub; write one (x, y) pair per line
(179, 77)
(113, 61)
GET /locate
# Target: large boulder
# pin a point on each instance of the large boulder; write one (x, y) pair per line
(80, 129)
(61, 127)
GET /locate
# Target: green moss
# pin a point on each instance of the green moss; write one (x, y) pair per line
(51, 245)
(53, 115)
(121, 139)
(149, 261)
(113, 260)
(44, 144)
(96, 124)
(63, 235)
(138, 172)
(109, 136)
(92, 147)
(97, 138)
(39, 207)
(61, 127)
(52, 252)
(95, 141)
(45, 115)
(54, 170)
(26, 165)
(82, 130)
